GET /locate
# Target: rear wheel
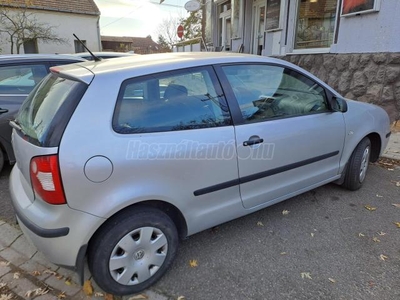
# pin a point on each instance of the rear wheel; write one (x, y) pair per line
(133, 250)
(358, 165)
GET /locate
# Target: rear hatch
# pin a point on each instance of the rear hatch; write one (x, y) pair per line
(38, 129)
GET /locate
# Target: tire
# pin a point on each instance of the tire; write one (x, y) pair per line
(132, 250)
(358, 165)
(1, 160)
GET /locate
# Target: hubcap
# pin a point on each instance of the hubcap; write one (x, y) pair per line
(138, 255)
(364, 164)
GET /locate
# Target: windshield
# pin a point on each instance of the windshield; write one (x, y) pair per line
(48, 108)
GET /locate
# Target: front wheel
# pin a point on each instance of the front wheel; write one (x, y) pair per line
(132, 250)
(358, 165)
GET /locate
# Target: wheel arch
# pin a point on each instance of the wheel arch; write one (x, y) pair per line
(376, 145)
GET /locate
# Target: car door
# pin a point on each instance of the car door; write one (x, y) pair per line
(16, 82)
(288, 139)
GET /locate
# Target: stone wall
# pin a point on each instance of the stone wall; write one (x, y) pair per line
(367, 77)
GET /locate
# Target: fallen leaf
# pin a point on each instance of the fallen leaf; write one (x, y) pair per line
(35, 273)
(62, 295)
(332, 280)
(109, 297)
(370, 208)
(383, 257)
(371, 283)
(379, 196)
(305, 275)
(40, 291)
(49, 272)
(283, 253)
(137, 297)
(181, 298)
(59, 277)
(98, 294)
(259, 223)
(16, 275)
(375, 239)
(2, 284)
(381, 233)
(4, 263)
(88, 288)
(6, 296)
(361, 234)
(312, 234)
(193, 263)
(68, 281)
(396, 205)
(390, 169)
(30, 294)
(397, 224)
(397, 183)
(285, 212)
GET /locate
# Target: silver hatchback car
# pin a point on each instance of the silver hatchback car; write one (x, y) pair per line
(119, 159)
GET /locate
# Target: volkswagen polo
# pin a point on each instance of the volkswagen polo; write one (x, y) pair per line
(119, 159)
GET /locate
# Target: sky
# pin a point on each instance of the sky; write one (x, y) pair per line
(138, 18)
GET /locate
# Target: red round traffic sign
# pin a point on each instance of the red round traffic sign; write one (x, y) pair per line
(179, 31)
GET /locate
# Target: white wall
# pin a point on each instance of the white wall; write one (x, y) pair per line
(84, 26)
(372, 32)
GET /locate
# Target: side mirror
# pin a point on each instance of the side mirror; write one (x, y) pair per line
(339, 104)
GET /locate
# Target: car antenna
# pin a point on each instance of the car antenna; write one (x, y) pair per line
(95, 58)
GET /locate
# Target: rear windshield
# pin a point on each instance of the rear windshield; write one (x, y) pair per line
(46, 111)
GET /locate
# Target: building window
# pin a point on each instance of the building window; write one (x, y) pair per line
(315, 24)
(225, 26)
(79, 47)
(30, 46)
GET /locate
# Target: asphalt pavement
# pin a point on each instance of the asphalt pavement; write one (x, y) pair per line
(328, 243)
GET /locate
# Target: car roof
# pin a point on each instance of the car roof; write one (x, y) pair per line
(150, 63)
(104, 54)
(16, 58)
(138, 65)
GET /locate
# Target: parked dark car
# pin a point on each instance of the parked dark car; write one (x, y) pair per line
(19, 74)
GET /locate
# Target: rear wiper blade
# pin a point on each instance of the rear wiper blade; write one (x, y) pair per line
(15, 124)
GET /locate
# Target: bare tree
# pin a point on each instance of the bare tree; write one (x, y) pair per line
(167, 30)
(20, 25)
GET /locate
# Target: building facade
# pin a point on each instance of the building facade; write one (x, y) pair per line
(65, 17)
(353, 45)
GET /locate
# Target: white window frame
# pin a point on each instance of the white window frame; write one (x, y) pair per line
(375, 8)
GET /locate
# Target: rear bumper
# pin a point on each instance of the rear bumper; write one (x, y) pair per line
(57, 231)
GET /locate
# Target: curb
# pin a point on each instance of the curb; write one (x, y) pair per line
(26, 274)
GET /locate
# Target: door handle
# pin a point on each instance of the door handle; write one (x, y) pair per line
(3, 110)
(253, 142)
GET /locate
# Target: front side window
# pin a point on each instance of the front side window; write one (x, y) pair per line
(266, 92)
(315, 24)
(20, 79)
(179, 100)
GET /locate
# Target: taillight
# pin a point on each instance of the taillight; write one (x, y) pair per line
(46, 179)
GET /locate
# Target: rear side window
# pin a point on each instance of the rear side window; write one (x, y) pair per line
(47, 110)
(179, 100)
(20, 79)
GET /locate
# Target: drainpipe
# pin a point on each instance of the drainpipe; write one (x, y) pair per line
(98, 34)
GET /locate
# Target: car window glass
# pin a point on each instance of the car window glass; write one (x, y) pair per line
(48, 99)
(265, 92)
(169, 101)
(20, 79)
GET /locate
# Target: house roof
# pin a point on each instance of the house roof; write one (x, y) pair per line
(140, 42)
(86, 7)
